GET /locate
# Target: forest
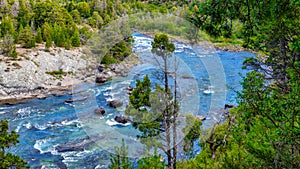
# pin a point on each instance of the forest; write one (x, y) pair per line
(263, 131)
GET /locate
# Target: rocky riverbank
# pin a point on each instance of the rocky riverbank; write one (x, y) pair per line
(38, 73)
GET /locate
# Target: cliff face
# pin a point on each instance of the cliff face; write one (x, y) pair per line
(38, 73)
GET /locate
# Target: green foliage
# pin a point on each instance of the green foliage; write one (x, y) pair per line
(145, 120)
(47, 29)
(7, 140)
(120, 160)
(192, 132)
(84, 9)
(118, 52)
(261, 132)
(24, 14)
(85, 33)
(95, 20)
(7, 26)
(76, 39)
(26, 37)
(140, 95)
(68, 44)
(107, 59)
(59, 73)
(46, 15)
(48, 44)
(59, 34)
(161, 46)
(39, 38)
(8, 47)
(76, 16)
(152, 162)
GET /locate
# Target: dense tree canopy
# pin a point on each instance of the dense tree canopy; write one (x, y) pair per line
(7, 159)
(262, 132)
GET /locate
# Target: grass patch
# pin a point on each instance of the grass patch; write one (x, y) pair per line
(58, 74)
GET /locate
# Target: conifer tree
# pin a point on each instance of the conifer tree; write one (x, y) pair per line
(8, 47)
(68, 44)
(26, 38)
(76, 38)
(39, 38)
(7, 26)
(120, 159)
(48, 44)
(76, 16)
(8, 160)
(47, 29)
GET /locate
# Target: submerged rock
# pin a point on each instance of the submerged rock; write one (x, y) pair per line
(69, 100)
(77, 145)
(99, 111)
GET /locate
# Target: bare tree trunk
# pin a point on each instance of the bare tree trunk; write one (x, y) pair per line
(167, 115)
(175, 117)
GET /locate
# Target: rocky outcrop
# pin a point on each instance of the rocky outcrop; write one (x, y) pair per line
(30, 76)
(115, 103)
(21, 78)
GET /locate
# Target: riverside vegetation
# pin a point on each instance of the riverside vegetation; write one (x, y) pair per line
(262, 132)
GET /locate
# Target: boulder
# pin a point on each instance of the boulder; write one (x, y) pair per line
(187, 77)
(69, 100)
(41, 96)
(129, 88)
(121, 119)
(99, 111)
(201, 117)
(228, 106)
(77, 145)
(115, 103)
(101, 68)
(57, 93)
(100, 79)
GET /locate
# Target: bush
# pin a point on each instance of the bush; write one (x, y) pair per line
(107, 59)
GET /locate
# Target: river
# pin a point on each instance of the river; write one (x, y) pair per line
(46, 124)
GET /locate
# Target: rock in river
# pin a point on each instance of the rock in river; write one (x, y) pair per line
(228, 106)
(115, 103)
(77, 145)
(69, 100)
(121, 119)
(200, 117)
(100, 79)
(99, 111)
(129, 88)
